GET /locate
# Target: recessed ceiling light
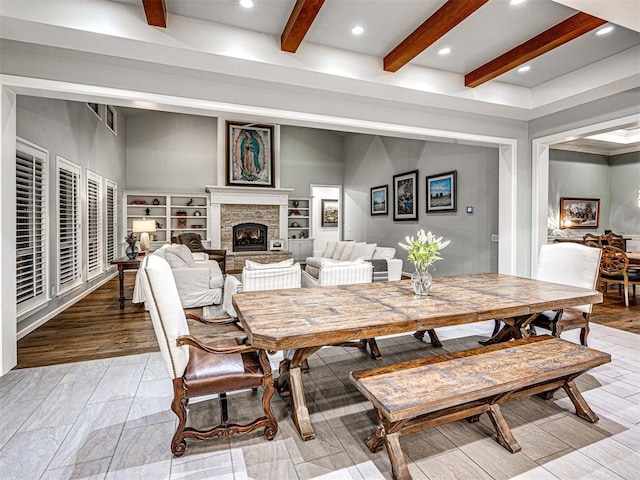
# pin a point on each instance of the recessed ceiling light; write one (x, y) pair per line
(357, 30)
(605, 30)
(524, 69)
(516, 2)
(247, 3)
(444, 51)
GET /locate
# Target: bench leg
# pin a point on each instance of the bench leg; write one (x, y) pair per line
(505, 437)
(582, 407)
(399, 467)
(373, 346)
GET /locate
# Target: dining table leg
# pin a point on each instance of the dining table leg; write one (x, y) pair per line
(290, 382)
(513, 327)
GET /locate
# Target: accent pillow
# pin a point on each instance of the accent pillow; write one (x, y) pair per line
(339, 249)
(248, 264)
(348, 250)
(386, 253)
(175, 261)
(329, 249)
(368, 250)
(184, 253)
(355, 253)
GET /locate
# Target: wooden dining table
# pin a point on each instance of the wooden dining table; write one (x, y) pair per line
(301, 321)
(634, 258)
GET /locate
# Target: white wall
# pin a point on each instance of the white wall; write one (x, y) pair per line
(71, 130)
(170, 152)
(372, 161)
(624, 172)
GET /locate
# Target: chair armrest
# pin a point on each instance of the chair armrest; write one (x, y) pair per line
(394, 269)
(200, 256)
(211, 321)
(345, 274)
(192, 276)
(195, 342)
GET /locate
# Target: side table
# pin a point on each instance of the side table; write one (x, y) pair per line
(125, 263)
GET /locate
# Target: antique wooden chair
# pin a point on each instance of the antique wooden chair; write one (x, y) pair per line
(614, 240)
(192, 240)
(614, 268)
(199, 369)
(591, 240)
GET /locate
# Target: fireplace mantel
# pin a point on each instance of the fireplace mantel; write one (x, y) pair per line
(221, 195)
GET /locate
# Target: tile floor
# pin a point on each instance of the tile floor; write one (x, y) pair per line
(110, 419)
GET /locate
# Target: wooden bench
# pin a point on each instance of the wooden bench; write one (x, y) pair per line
(427, 392)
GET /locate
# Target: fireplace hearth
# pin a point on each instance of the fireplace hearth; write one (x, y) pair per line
(250, 237)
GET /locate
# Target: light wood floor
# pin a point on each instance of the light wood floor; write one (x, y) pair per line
(96, 328)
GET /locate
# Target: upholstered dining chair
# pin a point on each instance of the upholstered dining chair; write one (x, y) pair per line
(572, 264)
(198, 369)
(192, 240)
(614, 268)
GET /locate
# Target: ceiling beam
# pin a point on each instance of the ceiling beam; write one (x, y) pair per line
(563, 32)
(437, 25)
(156, 12)
(300, 20)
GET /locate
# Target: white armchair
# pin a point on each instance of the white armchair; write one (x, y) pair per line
(260, 276)
(198, 279)
(337, 272)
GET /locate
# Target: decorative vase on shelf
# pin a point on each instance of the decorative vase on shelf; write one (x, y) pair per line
(421, 281)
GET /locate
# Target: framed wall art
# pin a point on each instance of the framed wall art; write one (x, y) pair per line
(379, 200)
(441, 192)
(111, 119)
(329, 213)
(579, 212)
(250, 159)
(276, 244)
(405, 196)
(95, 108)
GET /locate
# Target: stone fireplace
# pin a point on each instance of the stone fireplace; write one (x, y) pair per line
(249, 237)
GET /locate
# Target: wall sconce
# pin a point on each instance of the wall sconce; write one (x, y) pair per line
(143, 227)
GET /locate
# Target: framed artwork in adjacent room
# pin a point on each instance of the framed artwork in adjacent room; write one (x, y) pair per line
(405, 196)
(329, 213)
(95, 108)
(250, 159)
(579, 212)
(442, 192)
(111, 119)
(379, 200)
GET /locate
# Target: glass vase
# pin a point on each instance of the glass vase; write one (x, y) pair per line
(421, 281)
(132, 252)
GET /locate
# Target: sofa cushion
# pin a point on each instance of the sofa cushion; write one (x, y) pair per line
(313, 261)
(384, 252)
(363, 250)
(348, 250)
(183, 252)
(263, 266)
(337, 253)
(175, 261)
(329, 249)
(312, 270)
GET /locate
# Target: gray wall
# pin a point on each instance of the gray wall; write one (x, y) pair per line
(372, 161)
(624, 174)
(309, 155)
(580, 175)
(71, 130)
(170, 152)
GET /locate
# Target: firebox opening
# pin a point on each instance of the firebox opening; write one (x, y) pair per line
(250, 237)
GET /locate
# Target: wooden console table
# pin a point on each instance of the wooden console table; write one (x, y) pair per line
(125, 263)
(302, 321)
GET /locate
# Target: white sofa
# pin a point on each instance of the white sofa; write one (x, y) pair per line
(347, 262)
(261, 276)
(199, 280)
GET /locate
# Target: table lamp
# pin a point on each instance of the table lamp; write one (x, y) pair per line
(143, 227)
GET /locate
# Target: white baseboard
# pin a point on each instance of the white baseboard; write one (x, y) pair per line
(30, 328)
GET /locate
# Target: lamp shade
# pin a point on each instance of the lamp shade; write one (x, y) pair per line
(140, 226)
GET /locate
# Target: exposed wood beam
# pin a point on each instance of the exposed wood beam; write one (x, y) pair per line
(557, 35)
(300, 20)
(156, 12)
(437, 25)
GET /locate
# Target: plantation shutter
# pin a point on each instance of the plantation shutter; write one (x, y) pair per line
(112, 218)
(69, 274)
(94, 225)
(31, 232)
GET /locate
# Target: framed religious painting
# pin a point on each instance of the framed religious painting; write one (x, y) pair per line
(579, 212)
(441, 192)
(405, 196)
(250, 161)
(379, 199)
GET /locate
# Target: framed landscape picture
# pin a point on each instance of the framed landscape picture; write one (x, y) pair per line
(441, 192)
(250, 155)
(579, 212)
(329, 213)
(405, 196)
(379, 200)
